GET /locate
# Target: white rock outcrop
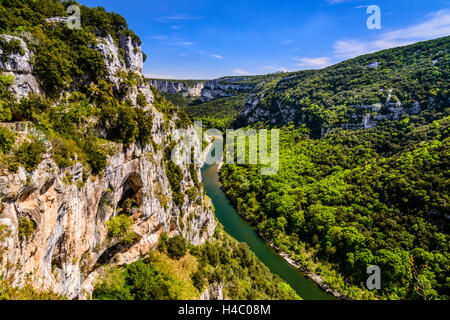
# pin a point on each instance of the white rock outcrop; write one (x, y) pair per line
(213, 292)
(130, 62)
(205, 90)
(134, 58)
(19, 65)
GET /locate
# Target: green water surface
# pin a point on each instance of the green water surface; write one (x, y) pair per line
(241, 230)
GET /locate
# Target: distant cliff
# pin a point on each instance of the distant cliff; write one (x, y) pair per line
(205, 90)
(358, 93)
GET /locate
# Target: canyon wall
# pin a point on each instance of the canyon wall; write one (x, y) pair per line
(205, 90)
(68, 209)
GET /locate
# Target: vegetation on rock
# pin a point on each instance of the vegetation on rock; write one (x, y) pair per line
(120, 229)
(181, 274)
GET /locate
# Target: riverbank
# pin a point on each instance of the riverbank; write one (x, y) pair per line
(241, 230)
(314, 277)
(317, 279)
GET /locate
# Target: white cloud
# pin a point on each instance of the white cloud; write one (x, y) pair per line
(187, 43)
(180, 43)
(287, 42)
(175, 27)
(337, 1)
(240, 72)
(158, 37)
(350, 48)
(172, 41)
(177, 17)
(216, 56)
(437, 25)
(320, 62)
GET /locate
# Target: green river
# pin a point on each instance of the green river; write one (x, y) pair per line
(242, 231)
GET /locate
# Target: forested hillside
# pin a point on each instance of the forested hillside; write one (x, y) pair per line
(364, 169)
(360, 92)
(357, 93)
(360, 195)
(356, 198)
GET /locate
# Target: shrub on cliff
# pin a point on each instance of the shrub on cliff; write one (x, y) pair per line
(62, 152)
(6, 98)
(25, 292)
(10, 47)
(53, 68)
(176, 247)
(96, 156)
(113, 287)
(26, 227)
(141, 280)
(30, 154)
(119, 228)
(7, 138)
(31, 107)
(148, 282)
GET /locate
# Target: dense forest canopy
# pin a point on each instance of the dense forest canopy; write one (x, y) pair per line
(355, 198)
(346, 197)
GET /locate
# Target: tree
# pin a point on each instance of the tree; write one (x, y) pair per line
(120, 229)
(7, 138)
(176, 247)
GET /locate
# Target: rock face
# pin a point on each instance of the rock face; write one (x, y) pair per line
(110, 53)
(213, 292)
(134, 58)
(70, 239)
(166, 86)
(69, 242)
(19, 65)
(205, 90)
(131, 62)
(220, 88)
(363, 116)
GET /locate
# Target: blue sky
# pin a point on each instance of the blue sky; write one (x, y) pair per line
(204, 39)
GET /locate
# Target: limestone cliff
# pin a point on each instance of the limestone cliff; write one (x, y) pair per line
(68, 210)
(19, 65)
(205, 90)
(362, 117)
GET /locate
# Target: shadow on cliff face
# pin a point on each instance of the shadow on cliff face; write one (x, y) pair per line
(132, 195)
(130, 202)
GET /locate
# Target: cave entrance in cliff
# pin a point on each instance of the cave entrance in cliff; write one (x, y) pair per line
(132, 195)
